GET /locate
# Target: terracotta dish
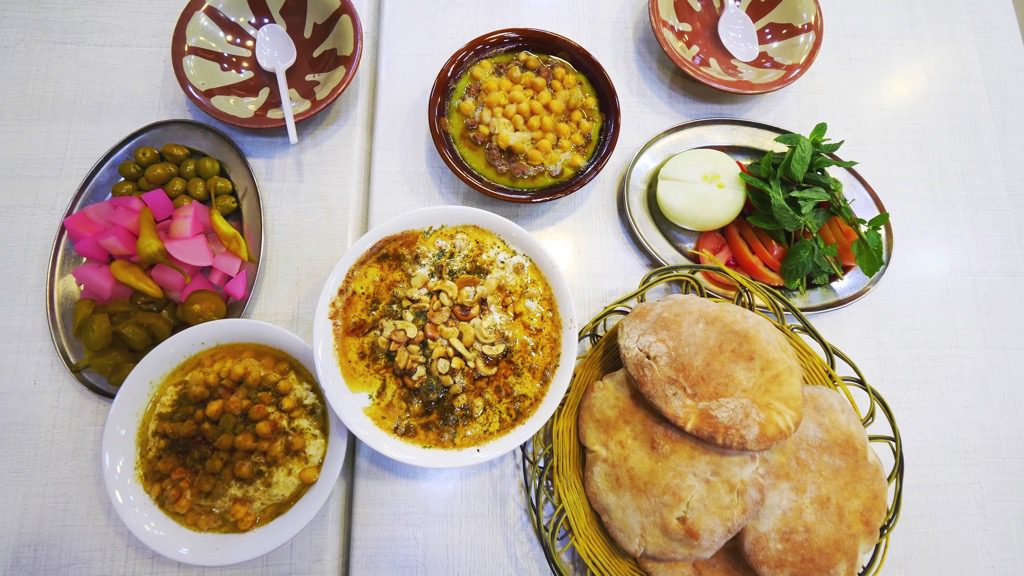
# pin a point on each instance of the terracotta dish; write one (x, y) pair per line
(538, 42)
(213, 55)
(788, 31)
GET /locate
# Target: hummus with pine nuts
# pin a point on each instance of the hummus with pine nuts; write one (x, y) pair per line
(454, 334)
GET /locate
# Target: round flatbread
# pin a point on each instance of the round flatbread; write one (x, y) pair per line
(728, 561)
(661, 492)
(718, 371)
(825, 497)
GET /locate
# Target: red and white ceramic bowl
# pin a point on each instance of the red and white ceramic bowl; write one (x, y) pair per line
(789, 35)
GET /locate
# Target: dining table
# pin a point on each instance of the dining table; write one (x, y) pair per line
(926, 95)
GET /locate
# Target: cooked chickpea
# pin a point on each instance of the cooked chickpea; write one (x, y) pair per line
(558, 73)
(544, 146)
(264, 429)
(288, 403)
(284, 386)
(556, 85)
(533, 123)
(245, 442)
(309, 475)
(556, 106)
(215, 409)
(296, 442)
(467, 106)
(242, 469)
(577, 139)
(257, 412)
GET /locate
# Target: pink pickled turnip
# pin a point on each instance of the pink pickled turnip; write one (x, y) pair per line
(167, 278)
(194, 250)
(227, 263)
(121, 292)
(185, 223)
(130, 202)
(215, 244)
(79, 225)
(238, 286)
(217, 277)
(188, 268)
(91, 249)
(126, 218)
(199, 282)
(117, 240)
(96, 278)
(159, 203)
(99, 212)
(203, 213)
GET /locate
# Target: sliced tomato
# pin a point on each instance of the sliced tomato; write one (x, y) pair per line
(748, 261)
(842, 236)
(714, 243)
(760, 250)
(778, 251)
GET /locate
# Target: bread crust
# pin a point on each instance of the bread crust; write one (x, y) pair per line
(825, 497)
(660, 492)
(718, 371)
(728, 561)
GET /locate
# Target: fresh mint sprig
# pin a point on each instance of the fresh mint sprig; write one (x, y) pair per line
(793, 195)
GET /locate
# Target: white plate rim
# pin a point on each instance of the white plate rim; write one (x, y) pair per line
(119, 454)
(349, 406)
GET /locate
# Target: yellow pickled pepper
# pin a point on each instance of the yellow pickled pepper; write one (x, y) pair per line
(136, 278)
(231, 239)
(150, 248)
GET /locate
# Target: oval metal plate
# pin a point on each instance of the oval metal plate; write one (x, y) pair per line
(744, 141)
(61, 290)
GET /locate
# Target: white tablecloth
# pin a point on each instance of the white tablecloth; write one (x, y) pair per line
(925, 92)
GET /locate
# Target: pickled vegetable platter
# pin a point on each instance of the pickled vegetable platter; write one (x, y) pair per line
(151, 283)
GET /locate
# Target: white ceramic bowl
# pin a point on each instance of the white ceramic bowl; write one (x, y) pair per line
(120, 452)
(351, 406)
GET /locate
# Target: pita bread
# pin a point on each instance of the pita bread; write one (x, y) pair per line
(718, 371)
(660, 492)
(825, 497)
(728, 561)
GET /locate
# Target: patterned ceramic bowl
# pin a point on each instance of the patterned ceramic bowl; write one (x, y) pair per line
(789, 33)
(213, 53)
(540, 42)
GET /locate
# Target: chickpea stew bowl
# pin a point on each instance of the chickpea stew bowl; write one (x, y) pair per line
(524, 115)
(220, 445)
(445, 337)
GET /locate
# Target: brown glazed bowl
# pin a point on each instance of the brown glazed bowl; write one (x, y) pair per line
(214, 58)
(539, 42)
(788, 32)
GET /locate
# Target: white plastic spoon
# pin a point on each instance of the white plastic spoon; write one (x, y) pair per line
(737, 32)
(275, 52)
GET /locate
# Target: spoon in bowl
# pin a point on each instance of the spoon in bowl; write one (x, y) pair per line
(275, 52)
(737, 32)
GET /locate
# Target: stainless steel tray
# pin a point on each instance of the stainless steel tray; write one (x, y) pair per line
(61, 290)
(745, 141)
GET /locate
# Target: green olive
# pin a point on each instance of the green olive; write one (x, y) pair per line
(129, 170)
(83, 309)
(208, 167)
(202, 306)
(197, 189)
(226, 205)
(219, 185)
(175, 187)
(159, 174)
(124, 188)
(119, 307)
(146, 156)
(144, 185)
(134, 335)
(174, 153)
(187, 168)
(182, 200)
(96, 333)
